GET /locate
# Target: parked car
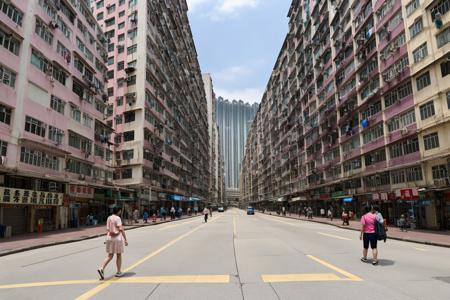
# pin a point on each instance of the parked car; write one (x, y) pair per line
(250, 210)
(220, 209)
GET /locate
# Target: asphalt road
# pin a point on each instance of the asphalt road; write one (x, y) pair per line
(232, 257)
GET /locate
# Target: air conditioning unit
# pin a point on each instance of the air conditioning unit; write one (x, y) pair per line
(404, 131)
(82, 177)
(53, 24)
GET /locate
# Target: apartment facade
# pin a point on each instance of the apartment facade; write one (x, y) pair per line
(159, 108)
(56, 154)
(356, 112)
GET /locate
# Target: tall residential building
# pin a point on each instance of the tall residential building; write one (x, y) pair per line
(215, 180)
(56, 154)
(158, 100)
(357, 112)
(234, 119)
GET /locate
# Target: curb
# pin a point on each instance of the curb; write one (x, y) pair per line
(430, 243)
(86, 237)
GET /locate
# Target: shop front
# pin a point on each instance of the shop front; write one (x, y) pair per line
(28, 210)
(82, 205)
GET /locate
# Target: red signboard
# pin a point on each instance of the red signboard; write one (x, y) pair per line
(409, 194)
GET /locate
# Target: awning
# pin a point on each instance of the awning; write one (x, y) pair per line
(295, 199)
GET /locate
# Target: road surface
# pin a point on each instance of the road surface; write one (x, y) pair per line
(234, 256)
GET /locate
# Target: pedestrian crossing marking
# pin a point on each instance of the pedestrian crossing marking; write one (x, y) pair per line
(334, 236)
(348, 275)
(300, 277)
(125, 280)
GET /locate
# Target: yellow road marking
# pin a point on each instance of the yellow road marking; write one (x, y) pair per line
(420, 249)
(334, 268)
(50, 283)
(105, 284)
(334, 236)
(300, 277)
(178, 224)
(145, 279)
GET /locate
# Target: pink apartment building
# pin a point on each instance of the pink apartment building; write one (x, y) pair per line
(55, 144)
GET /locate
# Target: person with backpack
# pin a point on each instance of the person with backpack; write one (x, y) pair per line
(381, 226)
(368, 234)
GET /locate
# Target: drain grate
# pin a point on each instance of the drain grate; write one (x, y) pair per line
(445, 279)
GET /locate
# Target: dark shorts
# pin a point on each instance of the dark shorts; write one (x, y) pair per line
(370, 238)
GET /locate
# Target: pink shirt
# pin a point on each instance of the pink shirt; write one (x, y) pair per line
(368, 220)
(112, 226)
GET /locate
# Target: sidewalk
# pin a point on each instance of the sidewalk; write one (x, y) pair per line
(427, 237)
(30, 241)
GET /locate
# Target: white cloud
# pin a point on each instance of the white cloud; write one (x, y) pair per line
(232, 6)
(218, 10)
(232, 73)
(251, 95)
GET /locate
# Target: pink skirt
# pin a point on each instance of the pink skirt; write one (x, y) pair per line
(114, 246)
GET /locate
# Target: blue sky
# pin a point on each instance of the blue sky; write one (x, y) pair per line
(238, 42)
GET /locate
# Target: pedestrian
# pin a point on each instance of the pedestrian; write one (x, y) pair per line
(145, 216)
(172, 213)
(309, 211)
(210, 212)
(136, 215)
(402, 222)
(180, 212)
(322, 212)
(345, 220)
(206, 213)
(381, 226)
(330, 214)
(115, 240)
(189, 211)
(368, 234)
(163, 213)
(283, 211)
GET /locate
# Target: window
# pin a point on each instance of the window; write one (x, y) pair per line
(99, 151)
(78, 167)
(100, 4)
(412, 6)
(110, 92)
(75, 113)
(129, 117)
(55, 135)
(119, 100)
(414, 174)
(427, 110)
(128, 154)
(416, 27)
(57, 104)
(441, 7)
(373, 109)
(110, 60)
(122, 13)
(131, 49)
(9, 42)
(443, 38)
(12, 12)
(395, 69)
(431, 141)
(59, 74)
(7, 76)
(448, 100)
(39, 158)
(423, 81)
(110, 74)
(87, 120)
(439, 172)
(398, 176)
(375, 157)
(78, 89)
(110, 47)
(35, 126)
(128, 136)
(373, 133)
(127, 173)
(132, 33)
(397, 94)
(43, 31)
(420, 52)
(404, 148)
(110, 22)
(121, 25)
(131, 80)
(5, 114)
(445, 68)
(64, 29)
(3, 148)
(121, 38)
(120, 65)
(401, 120)
(111, 8)
(100, 16)
(110, 34)
(121, 2)
(63, 51)
(39, 61)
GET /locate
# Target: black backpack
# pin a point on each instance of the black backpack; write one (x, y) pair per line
(380, 231)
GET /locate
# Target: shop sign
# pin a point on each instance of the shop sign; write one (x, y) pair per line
(324, 196)
(176, 197)
(348, 199)
(29, 197)
(81, 191)
(375, 197)
(337, 194)
(409, 194)
(391, 196)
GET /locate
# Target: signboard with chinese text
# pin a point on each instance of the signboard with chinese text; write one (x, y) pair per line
(81, 191)
(29, 197)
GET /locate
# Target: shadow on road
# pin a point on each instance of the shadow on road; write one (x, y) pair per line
(386, 262)
(129, 274)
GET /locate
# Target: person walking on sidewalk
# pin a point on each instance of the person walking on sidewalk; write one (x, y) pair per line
(345, 218)
(402, 223)
(368, 234)
(172, 213)
(330, 213)
(115, 240)
(145, 216)
(136, 215)
(206, 213)
(309, 212)
(163, 213)
(322, 212)
(210, 212)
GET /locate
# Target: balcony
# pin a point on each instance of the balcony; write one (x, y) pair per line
(404, 159)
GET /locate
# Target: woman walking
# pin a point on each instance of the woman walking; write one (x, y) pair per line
(368, 234)
(115, 239)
